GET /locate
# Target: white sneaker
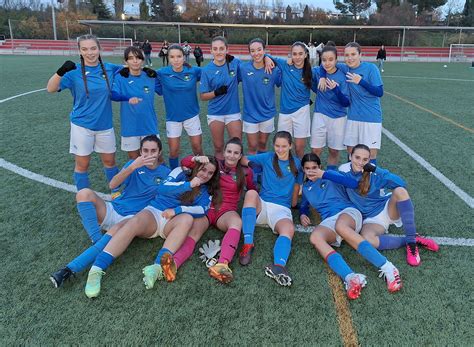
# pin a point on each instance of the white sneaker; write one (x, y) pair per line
(382, 70)
(391, 275)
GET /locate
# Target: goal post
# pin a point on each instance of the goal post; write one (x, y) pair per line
(461, 52)
(115, 46)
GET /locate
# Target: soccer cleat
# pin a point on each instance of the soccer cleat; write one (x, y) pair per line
(354, 284)
(392, 277)
(221, 272)
(427, 243)
(152, 273)
(245, 256)
(60, 276)
(92, 289)
(279, 273)
(413, 255)
(168, 266)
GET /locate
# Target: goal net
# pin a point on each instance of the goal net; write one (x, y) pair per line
(114, 46)
(461, 52)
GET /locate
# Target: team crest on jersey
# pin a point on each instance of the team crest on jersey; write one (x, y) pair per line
(146, 89)
(302, 79)
(157, 180)
(87, 72)
(103, 76)
(234, 177)
(187, 77)
(232, 73)
(323, 185)
(288, 168)
(266, 80)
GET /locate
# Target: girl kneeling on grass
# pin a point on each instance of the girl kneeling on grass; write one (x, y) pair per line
(233, 179)
(324, 190)
(380, 211)
(170, 215)
(281, 178)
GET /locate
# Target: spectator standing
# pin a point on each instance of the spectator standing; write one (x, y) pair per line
(146, 48)
(198, 55)
(381, 56)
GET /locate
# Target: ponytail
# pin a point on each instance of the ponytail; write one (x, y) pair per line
(104, 72)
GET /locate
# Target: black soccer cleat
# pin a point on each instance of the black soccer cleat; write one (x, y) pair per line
(60, 276)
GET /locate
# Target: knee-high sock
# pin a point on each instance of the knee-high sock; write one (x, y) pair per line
(86, 258)
(160, 254)
(249, 218)
(407, 214)
(81, 180)
(391, 242)
(281, 251)
(373, 256)
(103, 260)
(337, 264)
(110, 172)
(229, 245)
(89, 220)
(174, 163)
(184, 252)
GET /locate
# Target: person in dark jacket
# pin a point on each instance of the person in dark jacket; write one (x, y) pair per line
(146, 47)
(381, 56)
(198, 55)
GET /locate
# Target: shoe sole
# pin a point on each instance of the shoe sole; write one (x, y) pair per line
(55, 284)
(281, 279)
(225, 277)
(169, 267)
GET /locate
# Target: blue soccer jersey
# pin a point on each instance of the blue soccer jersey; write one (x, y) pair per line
(259, 92)
(294, 94)
(139, 189)
(139, 119)
(374, 202)
(179, 92)
(328, 102)
(327, 197)
(277, 190)
(93, 111)
(171, 190)
(213, 77)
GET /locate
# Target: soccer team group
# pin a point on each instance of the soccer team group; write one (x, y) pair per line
(357, 202)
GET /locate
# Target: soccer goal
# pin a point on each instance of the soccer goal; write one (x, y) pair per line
(116, 46)
(461, 52)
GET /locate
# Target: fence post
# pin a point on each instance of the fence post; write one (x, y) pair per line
(11, 32)
(403, 45)
(54, 20)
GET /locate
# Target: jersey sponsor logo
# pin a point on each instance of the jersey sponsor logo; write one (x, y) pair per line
(323, 185)
(141, 172)
(187, 77)
(146, 89)
(130, 82)
(217, 72)
(266, 80)
(310, 187)
(87, 72)
(249, 73)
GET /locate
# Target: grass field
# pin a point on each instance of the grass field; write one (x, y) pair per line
(40, 231)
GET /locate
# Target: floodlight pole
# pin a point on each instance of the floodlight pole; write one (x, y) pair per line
(403, 45)
(310, 36)
(460, 36)
(67, 30)
(179, 34)
(11, 32)
(54, 20)
(266, 37)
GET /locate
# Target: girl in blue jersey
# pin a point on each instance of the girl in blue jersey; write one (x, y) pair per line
(295, 96)
(140, 179)
(364, 116)
(281, 178)
(219, 86)
(259, 98)
(380, 211)
(180, 197)
(136, 120)
(324, 190)
(91, 116)
(177, 84)
(329, 119)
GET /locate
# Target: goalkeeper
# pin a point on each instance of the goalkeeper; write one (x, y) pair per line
(233, 179)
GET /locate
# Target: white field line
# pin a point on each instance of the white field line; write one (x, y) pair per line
(43, 179)
(429, 78)
(445, 241)
(17, 96)
(431, 169)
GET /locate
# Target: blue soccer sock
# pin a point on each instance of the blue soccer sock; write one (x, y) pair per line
(174, 163)
(281, 250)
(249, 219)
(391, 242)
(373, 161)
(110, 172)
(407, 214)
(88, 215)
(331, 167)
(103, 260)
(373, 256)
(337, 264)
(81, 262)
(160, 254)
(81, 180)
